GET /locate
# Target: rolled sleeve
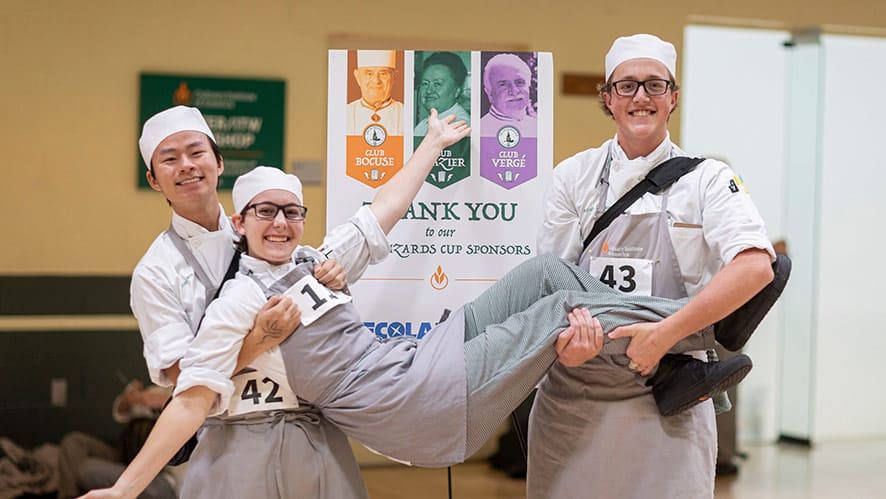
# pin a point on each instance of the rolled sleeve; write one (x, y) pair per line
(731, 221)
(212, 379)
(357, 243)
(211, 359)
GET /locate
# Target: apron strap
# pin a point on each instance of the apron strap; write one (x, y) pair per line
(189, 257)
(659, 178)
(212, 292)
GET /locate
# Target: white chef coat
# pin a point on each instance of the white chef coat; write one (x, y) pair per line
(711, 215)
(168, 300)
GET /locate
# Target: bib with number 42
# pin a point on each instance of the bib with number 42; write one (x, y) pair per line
(628, 275)
(257, 390)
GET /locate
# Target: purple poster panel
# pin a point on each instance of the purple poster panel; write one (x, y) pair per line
(508, 122)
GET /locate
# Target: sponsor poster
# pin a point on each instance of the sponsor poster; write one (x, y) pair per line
(479, 210)
(246, 116)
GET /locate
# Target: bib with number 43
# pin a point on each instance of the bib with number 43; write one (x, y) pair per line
(628, 275)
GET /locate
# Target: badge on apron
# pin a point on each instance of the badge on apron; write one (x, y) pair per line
(628, 275)
(254, 391)
(314, 299)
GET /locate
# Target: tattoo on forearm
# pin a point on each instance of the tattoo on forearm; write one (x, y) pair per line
(272, 332)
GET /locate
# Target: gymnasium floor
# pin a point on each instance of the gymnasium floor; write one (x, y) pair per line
(841, 470)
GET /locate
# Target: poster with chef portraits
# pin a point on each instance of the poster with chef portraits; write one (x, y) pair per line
(480, 207)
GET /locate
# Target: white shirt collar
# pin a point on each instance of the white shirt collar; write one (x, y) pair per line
(188, 229)
(659, 154)
(264, 268)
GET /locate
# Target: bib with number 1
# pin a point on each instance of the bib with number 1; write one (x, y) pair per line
(313, 299)
(628, 275)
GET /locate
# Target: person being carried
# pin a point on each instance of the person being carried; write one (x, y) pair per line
(462, 379)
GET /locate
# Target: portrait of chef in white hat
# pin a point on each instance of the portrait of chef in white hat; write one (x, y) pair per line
(376, 74)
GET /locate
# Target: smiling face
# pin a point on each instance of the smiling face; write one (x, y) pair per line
(186, 171)
(271, 240)
(508, 90)
(438, 89)
(376, 83)
(641, 121)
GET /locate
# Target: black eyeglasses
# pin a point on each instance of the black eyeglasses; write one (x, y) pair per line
(629, 88)
(268, 211)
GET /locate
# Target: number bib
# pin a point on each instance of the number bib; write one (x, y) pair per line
(254, 391)
(314, 299)
(628, 275)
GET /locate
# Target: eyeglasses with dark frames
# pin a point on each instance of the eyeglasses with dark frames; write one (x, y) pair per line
(268, 211)
(653, 87)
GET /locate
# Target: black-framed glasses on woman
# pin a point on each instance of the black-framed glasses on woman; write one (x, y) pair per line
(629, 88)
(268, 211)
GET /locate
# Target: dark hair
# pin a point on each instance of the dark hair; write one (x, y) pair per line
(607, 87)
(212, 145)
(452, 61)
(242, 244)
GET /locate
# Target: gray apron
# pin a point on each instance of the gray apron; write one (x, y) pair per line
(273, 455)
(402, 398)
(595, 431)
(269, 454)
(435, 402)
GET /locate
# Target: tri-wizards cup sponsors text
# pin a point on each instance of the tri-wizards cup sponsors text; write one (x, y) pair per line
(441, 240)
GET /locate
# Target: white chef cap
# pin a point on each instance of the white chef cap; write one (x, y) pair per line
(165, 123)
(376, 58)
(641, 46)
(261, 179)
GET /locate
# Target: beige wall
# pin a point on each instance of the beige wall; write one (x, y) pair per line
(69, 77)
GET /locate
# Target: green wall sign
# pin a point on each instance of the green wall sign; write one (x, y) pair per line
(246, 116)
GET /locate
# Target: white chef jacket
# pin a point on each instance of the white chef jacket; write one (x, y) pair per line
(360, 116)
(168, 300)
(212, 359)
(710, 213)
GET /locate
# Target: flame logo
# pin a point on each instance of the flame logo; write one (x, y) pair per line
(182, 95)
(605, 248)
(439, 280)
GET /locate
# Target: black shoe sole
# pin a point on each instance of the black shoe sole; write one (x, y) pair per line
(734, 331)
(701, 392)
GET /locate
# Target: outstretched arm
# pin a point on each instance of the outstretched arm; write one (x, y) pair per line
(394, 198)
(181, 418)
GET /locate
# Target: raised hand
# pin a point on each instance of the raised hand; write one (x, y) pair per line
(446, 131)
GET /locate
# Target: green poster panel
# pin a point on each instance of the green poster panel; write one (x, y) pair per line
(245, 115)
(442, 81)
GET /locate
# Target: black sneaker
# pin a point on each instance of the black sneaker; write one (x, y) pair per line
(735, 329)
(683, 381)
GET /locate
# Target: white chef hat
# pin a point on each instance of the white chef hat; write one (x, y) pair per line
(261, 179)
(165, 123)
(376, 58)
(641, 46)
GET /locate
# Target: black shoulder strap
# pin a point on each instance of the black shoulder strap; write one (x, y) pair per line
(233, 267)
(656, 180)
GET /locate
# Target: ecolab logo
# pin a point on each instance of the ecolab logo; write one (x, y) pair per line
(386, 330)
